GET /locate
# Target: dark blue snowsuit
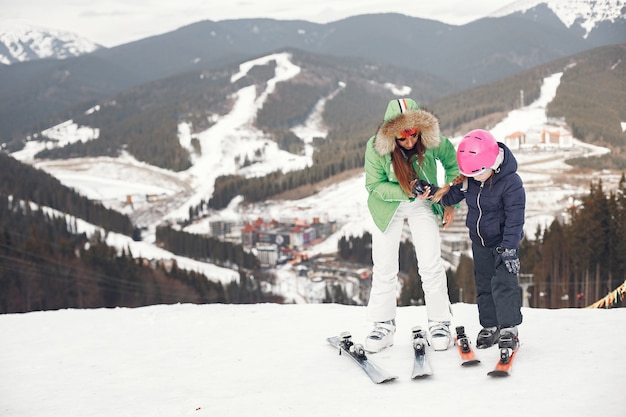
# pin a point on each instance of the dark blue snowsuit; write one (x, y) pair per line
(495, 218)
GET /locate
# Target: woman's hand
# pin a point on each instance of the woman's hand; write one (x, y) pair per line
(421, 189)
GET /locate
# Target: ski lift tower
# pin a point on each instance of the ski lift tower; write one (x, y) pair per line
(525, 281)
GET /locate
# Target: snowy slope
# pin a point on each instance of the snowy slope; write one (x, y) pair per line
(587, 13)
(272, 360)
(24, 42)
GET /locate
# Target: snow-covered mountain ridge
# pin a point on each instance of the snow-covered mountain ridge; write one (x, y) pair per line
(587, 13)
(20, 42)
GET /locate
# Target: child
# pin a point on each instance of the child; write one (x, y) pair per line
(496, 202)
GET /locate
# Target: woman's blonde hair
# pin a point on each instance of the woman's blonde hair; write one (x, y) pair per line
(443, 190)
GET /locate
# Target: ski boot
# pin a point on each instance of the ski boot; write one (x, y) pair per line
(440, 336)
(381, 336)
(487, 337)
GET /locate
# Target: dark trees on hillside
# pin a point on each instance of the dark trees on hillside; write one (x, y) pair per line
(590, 252)
(44, 266)
(205, 248)
(21, 181)
(572, 264)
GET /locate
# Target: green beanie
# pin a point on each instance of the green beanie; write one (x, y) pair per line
(396, 107)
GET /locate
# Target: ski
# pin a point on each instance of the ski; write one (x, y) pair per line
(505, 363)
(344, 343)
(468, 357)
(421, 365)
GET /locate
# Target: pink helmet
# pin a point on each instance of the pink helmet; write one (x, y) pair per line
(477, 152)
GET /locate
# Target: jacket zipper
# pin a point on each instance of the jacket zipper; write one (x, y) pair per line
(480, 214)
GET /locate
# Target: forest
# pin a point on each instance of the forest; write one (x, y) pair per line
(21, 181)
(44, 266)
(576, 263)
(571, 264)
(206, 248)
(46, 263)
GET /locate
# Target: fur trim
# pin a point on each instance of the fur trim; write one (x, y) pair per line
(423, 120)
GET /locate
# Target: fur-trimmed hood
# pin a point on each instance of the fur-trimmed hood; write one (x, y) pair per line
(403, 114)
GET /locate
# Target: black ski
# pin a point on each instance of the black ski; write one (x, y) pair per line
(462, 342)
(421, 366)
(344, 343)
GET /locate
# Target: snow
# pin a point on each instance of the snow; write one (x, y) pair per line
(22, 40)
(587, 13)
(273, 360)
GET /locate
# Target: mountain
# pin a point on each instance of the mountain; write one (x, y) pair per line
(38, 93)
(588, 15)
(202, 93)
(24, 42)
(278, 129)
(589, 99)
(20, 42)
(145, 120)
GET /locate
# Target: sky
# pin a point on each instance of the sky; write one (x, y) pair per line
(270, 360)
(114, 22)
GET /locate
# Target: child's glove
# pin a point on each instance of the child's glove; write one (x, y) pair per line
(510, 259)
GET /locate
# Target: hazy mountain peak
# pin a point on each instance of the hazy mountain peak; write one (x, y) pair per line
(21, 42)
(588, 13)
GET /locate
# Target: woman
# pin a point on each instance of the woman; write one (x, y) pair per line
(404, 150)
(496, 203)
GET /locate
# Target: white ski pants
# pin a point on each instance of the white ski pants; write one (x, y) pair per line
(385, 255)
